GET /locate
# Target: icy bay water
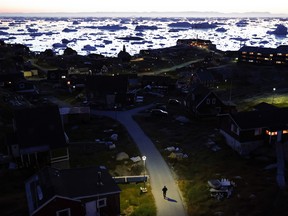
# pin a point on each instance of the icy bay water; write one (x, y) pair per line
(107, 35)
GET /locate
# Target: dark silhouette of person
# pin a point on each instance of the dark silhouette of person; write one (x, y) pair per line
(164, 190)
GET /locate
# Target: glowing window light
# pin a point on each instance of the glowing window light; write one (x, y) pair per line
(271, 133)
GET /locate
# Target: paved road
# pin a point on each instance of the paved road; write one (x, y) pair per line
(158, 170)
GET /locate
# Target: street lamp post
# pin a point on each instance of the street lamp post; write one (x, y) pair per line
(144, 159)
(274, 89)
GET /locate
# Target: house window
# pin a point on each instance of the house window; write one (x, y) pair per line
(235, 129)
(64, 212)
(101, 203)
(208, 101)
(214, 101)
(258, 131)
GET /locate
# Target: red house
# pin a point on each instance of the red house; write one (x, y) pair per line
(87, 191)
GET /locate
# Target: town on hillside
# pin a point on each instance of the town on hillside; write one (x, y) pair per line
(224, 111)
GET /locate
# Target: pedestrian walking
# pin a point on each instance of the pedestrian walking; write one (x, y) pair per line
(164, 190)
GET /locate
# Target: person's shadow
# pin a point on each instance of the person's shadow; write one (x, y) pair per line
(170, 200)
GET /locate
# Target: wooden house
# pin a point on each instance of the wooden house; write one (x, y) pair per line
(38, 138)
(109, 90)
(204, 77)
(89, 191)
(25, 88)
(201, 101)
(246, 131)
(264, 56)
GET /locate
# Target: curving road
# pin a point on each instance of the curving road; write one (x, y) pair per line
(158, 169)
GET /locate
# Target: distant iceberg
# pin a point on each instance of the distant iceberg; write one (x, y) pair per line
(89, 48)
(4, 33)
(281, 30)
(180, 25)
(69, 30)
(134, 38)
(112, 27)
(145, 27)
(204, 25)
(242, 23)
(107, 41)
(59, 45)
(221, 29)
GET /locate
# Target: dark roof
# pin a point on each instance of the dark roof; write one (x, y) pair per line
(274, 119)
(264, 106)
(205, 75)
(199, 91)
(107, 84)
(39, 126)
(77, 183)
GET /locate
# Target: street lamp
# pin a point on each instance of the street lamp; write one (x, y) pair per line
(144, 159)
(274, 89)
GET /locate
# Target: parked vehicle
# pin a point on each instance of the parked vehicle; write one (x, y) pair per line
(158, 112)
(174, 102)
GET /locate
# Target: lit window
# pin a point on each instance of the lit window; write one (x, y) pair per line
(271, 133)
(279, 54)
(251, 53)
(259, 54)
(271, 55)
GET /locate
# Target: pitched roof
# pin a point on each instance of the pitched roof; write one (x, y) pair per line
(107, 84)
(200, 92)
(77, 183)
(39, 126)
(274, 119)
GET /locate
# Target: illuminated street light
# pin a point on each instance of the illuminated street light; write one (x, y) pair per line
(274, 90)
(144, 159)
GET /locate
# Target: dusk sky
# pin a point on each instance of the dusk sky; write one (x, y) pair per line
(226, 6)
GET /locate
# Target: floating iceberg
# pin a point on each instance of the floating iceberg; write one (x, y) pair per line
(281, 30)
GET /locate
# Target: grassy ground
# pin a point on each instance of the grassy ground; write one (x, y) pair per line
(85, 152)
(135, 203)
(256, 192)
